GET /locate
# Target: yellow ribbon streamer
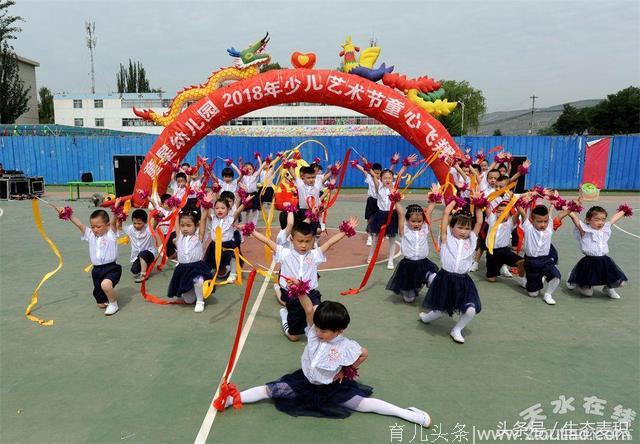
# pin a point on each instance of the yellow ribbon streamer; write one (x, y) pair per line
(211, 283)
(34, 296)
(491, 237)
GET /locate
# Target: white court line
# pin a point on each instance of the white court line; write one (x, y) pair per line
(625, 231)
(207, 423)
(1, 212)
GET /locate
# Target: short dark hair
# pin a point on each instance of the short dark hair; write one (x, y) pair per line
(317, 166)
(100, 214)
(227, 172)
(502, 178)
(186, 164)
(303, 228)
(227, 195)
(477, 167)
(181, 175)
(307, 170)
(503, 165)
(493, 170)
(224, 201)
(330, 315)
(462, 218)
(164, 197)
(596, 209)
(376, 166)
(413, 208)
(540, 210)
(139, 214)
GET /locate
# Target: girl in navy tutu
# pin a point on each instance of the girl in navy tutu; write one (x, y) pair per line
(189, 276)
(596, 267)
(373, 169)
(249, 182)
(452, 289)
(415, 269)
(384, 188)
(324, 386)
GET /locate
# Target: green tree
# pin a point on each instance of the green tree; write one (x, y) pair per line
(13, 95)
(8, 28)
(497, 132)
(572, 120)
(618, 114)
(45, 106)
(133, 79)
(474, 107)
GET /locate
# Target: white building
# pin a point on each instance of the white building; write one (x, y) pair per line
(115, 112)
(27, 73)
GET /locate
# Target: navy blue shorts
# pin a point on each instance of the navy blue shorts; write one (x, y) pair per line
(296, 317)
(147, 256)
(99, 273)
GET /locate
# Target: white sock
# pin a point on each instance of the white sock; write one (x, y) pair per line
(254, 216)
(283, 319)
(374, 405)
(552, 285)
(189, 297)
(465, 319)
(408, 295)
(392, 249)
(197, 286)
(251, 395)
(373, 245)
(431, 316)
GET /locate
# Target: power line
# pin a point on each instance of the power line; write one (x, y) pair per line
(533, 103)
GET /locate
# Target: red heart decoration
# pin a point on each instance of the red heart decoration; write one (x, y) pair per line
(303, 60)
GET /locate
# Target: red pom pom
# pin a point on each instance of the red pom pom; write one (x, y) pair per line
(335, 170)
(296, 155)
(350, 372)
(347, 229)
(242, 193)
(299, 288)
(118, 211)
(290, 164)
(480, 201)
(460, 202)
(205, 203)
(158, 216)
(395, 159)
(434, 197)
(313, 216)
(523, 170)
(279, 154)
(466, 161)
(626, 209)
(539, 190)
(289, 208)
(406, 162)
(173, 202)
(559, 203)
(354, 163)
(216, 187)
(248, 228)
(463, 187)
(331, 186)
(395, 197)
(316, 160)
(267, 160)
(175, 167)
(228, 162)
(143, 194)
(480, 156)
(367, 166)
(66, 213)
(256, 155)
(574, 207)
(524, 204)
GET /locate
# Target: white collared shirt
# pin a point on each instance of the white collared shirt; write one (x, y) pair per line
(250, 182)
(140, 241)
(503, 233)
(179, 192)
(283, 239)
(103, 249)
(484, 187)
(384, 203)
(415, 243)
(456, 255)
(189, 247)
(371, 192)
(229, 186)
(299, 266)
(305, 192)
(163, 226)
(225, 224)
(194, 187)
(594, 242)
(536, 243)
(321, 361)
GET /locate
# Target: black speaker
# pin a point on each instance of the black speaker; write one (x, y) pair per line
(516, 161)
(10, 187)
(36, 185)
(86, 177)
(125, 171)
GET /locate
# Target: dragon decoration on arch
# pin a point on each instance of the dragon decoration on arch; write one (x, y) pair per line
(423, 91)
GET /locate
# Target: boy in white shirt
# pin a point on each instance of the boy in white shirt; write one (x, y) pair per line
(143, 248)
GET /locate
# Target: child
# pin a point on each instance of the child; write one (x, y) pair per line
(452, 289)
(300, 263)
(143, 248)
(320, 388)
(189, 276)
(308, 194)
(228, 184)
(415, 269)
(372, 195)
(163, 226)
(103, 250)
(283, 239)
(596, 267)
(180, 185)
(538, 260)
(384, 188)
(249, 182)
(502, 253)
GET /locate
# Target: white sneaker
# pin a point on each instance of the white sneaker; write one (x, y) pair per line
(522, 281)
(369, 241)
(611, 293)
(504, 271)
(474, 266)
(423, 317)
(111, 309)
(586, 291)
(456, 335)
(549, 299)
(571, 286)
(232, 277)
(368, 259)
(425, 420)
(389, 265)
(199, 308)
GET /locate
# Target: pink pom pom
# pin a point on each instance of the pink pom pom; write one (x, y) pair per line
(205, 203)
(119, 213)
(354, 163)
(626, 209)
(66, 213)
(480, 157)
(248, 228)
(395, 197)
(523, 170)
(228, 162)
(331, 186)
(173, 202)
(395, 159)
(347, 229)
(559, 203)
(267, 160)
(256, 155)
(316, 160)
(289, 208)
(335, 170)
(216, 187)
(480, 201)
(367, 166)
(524, 204)
(463, 187)
(175, 167)
(460, 202)
(406, 162)
(298, 288)
(434, 197)
(350, 372)
(574, 207)
(539, 190)
(313, 216)
(242, 194)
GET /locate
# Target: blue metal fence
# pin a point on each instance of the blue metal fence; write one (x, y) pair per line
(557, 161)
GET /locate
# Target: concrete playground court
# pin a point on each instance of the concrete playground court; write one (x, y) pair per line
(148, 374)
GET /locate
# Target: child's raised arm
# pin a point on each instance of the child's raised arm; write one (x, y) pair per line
(74, 220)
(444, 223)
(619, 215)
(353, 223)
(307, 305)
(479, 218)
(202, 226)
(428, 212)
(400, 210)
(516, 176)
(265, 240)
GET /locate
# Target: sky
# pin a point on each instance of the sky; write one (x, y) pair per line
(558, 50)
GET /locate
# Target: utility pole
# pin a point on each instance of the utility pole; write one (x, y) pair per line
(91, 44)
(533, 104)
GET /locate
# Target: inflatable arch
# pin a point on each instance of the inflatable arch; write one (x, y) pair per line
(387, 105)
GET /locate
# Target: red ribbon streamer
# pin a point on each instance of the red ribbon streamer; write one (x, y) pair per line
(332, 199)
(227, 388)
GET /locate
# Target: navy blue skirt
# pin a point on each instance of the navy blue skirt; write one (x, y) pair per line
(451, 292)
(597, 270)
(371, 208)
(184, 275)
(411, 275)
(295, 395)
(255, 202)
(379, 219)
(226, 258)
(267, 196)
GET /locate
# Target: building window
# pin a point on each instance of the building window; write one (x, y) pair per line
(99, 122)
(78, 122)
(97, 103)
(166, 103)
(136, 122)
(77, 103)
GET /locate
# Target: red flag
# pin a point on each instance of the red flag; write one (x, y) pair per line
(596, 161)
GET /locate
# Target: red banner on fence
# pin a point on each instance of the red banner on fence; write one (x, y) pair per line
(596, 161)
